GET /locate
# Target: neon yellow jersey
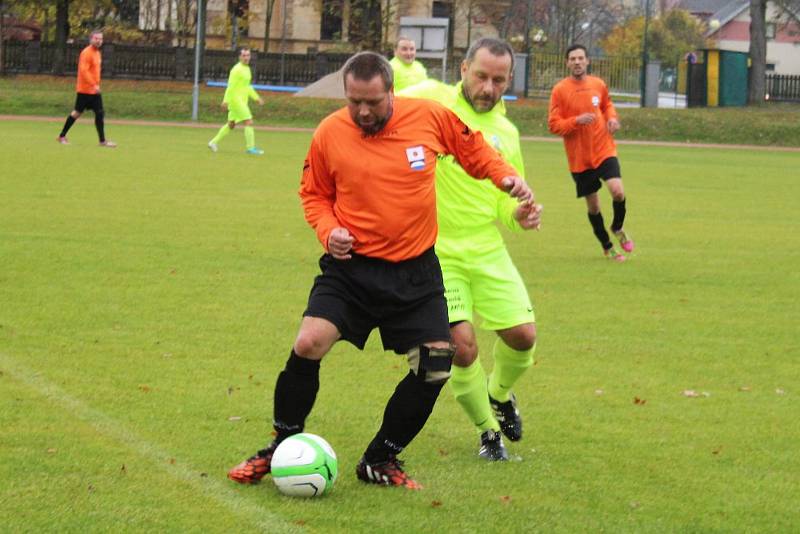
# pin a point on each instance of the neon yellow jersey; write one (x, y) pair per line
(407, 75)
(239, 89)
(468, 207)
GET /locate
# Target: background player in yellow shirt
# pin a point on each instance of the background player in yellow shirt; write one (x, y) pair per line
(237, 97)
(479, 276)
(407, 70)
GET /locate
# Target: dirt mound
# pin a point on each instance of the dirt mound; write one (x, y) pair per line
(330, 86)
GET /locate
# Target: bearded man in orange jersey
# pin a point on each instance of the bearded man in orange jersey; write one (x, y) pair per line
(368, 191)
(88, 88)
(582, 113)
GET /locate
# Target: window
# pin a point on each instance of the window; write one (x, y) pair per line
(365, 27)
(442, 10)
(330, 28)
(770, 30)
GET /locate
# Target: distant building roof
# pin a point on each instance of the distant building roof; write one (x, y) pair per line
(703, 7)
(730, 11)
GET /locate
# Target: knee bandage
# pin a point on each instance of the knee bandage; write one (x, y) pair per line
(431, 365)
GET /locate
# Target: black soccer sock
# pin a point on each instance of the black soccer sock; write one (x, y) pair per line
(619, 215)
(67, 125)
(100, 125)
(295, 393)
(599, 229)
(406, 413)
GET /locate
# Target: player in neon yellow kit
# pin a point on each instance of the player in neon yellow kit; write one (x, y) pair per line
(407, 70)
(237, 97)
(478, 273)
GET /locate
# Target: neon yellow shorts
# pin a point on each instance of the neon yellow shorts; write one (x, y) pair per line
(239, 113)
(488, 284)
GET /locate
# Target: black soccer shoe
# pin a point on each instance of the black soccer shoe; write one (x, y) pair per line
(492, 447)
(508, 416)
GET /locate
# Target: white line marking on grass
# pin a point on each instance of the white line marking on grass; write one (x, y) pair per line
(105, 425)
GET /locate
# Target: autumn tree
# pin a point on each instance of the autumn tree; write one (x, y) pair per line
(669, 37)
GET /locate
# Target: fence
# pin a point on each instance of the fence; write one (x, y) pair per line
(160, 63)
(621, 74)
(783, 88)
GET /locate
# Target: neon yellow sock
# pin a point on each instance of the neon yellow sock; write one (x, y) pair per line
(225, 130)
(509, 365)
(469, 389)
(249, 137)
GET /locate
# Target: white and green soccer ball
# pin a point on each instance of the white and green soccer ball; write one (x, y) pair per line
(304, 465)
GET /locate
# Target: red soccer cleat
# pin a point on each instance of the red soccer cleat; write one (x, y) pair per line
(388, 473)
(252, 470)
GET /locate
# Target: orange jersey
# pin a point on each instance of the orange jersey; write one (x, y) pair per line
(587, 145)
(381, 187)
(89, 71)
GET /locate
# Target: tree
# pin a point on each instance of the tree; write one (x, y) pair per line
(269, 10)
(788, 10)
(2, 56)
(670, 37)
(62, 34)
(758, 52)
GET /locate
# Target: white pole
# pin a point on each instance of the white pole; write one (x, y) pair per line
(197, 41)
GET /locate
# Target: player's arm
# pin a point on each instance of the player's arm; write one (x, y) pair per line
(318, 194)
(556, 121)
(253, 95)
(230, 90)
(475, 155)
(508, 209)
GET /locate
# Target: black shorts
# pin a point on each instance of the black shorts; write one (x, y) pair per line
(86, 101)
(588, 181)
(404, 300)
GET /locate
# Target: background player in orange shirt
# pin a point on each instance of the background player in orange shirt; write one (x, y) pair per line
(582, 113)
(88, 88)
(368, 191)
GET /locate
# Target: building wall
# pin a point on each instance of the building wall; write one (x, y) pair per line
(783, 51)
(303, 18)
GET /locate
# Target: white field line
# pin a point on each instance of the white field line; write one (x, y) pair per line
(259, 517)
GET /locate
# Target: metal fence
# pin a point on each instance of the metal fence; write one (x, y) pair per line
(621, 74)
(168, 63)
(783, 88)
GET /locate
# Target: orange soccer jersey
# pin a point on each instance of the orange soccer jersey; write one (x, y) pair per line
(381, 187)
(89, 71)
(589, 144)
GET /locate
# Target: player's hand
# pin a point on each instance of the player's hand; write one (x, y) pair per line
(224, 105)
(517, 188)
(529, 215)
(340, 243)
(585, 118)
(260, 101)
(613, 126)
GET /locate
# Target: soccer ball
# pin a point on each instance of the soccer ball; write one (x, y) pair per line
(304, 465)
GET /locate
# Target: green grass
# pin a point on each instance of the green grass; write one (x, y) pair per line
(772, 125)
(149, 296)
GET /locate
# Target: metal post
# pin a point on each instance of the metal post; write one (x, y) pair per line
(643, 77)
(528, 17)
(197, 41)
(283, 43)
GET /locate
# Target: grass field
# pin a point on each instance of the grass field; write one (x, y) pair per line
(776, 124)
(149, 296)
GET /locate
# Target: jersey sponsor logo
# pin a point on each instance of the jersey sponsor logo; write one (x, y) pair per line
(595, 100)
(416, 157)
(496, 142)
